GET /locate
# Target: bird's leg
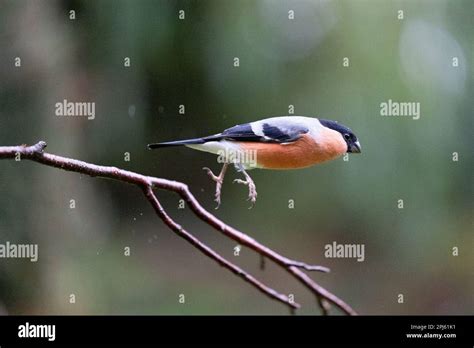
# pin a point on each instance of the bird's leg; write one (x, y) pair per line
(218, 180)
(249, 182)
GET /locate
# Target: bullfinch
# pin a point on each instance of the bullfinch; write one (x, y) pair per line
(286, 142)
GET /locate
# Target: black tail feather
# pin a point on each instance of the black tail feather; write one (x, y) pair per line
(184, 142)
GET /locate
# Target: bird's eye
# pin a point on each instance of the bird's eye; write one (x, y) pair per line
(347, 136)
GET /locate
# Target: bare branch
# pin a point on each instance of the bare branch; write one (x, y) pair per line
(147, 183)
(211, 253)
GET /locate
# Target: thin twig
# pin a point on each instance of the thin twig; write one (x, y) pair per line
(147, 183)
(324, 305)
(180, 231)
(262, 262)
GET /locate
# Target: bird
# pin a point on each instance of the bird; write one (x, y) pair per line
(277, 143)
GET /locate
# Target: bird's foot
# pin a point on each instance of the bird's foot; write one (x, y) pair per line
(252, 188)
(219, 180)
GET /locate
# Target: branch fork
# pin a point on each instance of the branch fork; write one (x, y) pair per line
(147, 183)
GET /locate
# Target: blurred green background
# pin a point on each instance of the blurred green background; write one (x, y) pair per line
(283, 62)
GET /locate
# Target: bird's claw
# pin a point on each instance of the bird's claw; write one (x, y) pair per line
(219, 180)
(252, 189)
(212, 175)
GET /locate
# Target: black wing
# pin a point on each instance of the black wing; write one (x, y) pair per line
(271, 133)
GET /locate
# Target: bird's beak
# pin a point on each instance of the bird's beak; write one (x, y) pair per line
(355, 147)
